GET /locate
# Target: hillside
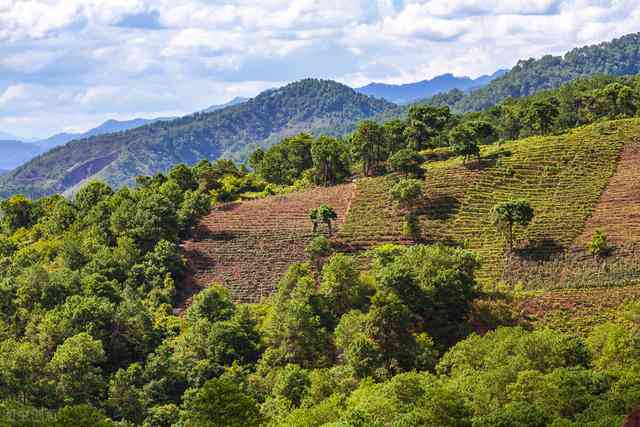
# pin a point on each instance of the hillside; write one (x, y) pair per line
(406, 93)
(110, 126)
(576, 182)
(618, 57)
(249, 245)
(309, 105)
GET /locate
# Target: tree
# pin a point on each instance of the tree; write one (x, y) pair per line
(407, 193)
(285, 162)
(323, 214)
(394, 131)
(369, 142)
(219, 403)
(330, 165)
(341, 289)
(406, 161)
(541, 115)
(17, 212)
(466, 138)
(467, 148)
(91, 194)
(75, 366)
(212, 303)
(424, 123)
(598, 245)
(318, 249)
(510, 213)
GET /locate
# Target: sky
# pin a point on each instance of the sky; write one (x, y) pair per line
(68, 65)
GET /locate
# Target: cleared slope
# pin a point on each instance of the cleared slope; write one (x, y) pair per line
(248, 246)
(562, 176)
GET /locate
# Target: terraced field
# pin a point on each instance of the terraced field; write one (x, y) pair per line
(562, 176)
(576, 311)
(576, 182)
(247, 246)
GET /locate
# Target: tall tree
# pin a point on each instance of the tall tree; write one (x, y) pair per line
(424, 123)
(369, 144)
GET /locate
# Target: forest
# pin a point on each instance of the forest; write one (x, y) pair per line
(92, 334)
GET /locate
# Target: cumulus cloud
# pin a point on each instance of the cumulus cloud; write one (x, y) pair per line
(84, 61)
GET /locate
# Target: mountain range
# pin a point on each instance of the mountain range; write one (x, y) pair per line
(406, 93)
(316, 106)
(235, 129)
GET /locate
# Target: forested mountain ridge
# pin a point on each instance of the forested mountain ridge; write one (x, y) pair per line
(316, 106)
(409, 92)
(617, 57)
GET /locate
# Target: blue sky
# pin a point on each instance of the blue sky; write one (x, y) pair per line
(68, 65)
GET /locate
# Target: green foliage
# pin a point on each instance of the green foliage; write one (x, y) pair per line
(598, 245)
(370, 146)
(510, 213)
(219, 403)
(424, 123)
(618, 57)
(323, 214)
(407, 193)
(406, 161)
(330, 160)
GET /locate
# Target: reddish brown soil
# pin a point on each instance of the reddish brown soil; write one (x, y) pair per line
(248, 246)
(618, 212)
(633, 420)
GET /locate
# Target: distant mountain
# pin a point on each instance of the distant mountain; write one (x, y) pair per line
(14, 153)
(110, 126)
(235, 101)
(316, 106)
(4, 136)
(406, 93)
(618, 57)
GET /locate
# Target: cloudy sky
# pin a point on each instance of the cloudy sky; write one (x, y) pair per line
(68, 65)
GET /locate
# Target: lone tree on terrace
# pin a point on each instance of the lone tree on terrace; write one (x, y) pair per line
(512, 212)
(407, 193)
(322, 215)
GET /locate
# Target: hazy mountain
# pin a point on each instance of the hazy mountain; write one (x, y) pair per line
(618, 57)
(109, 126)
(317, 106)
(4, 136)
(235, 101)
(14, 153)
(406, 93)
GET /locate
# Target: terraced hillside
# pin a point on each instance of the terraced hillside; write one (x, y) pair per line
(562, 176)
(247, 246)
(576, 182)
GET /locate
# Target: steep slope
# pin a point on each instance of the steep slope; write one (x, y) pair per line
(248, 246)
(405, 93)
(310, 105)
(618, 57)
(110, 126)
(562, 176)
(571, 181)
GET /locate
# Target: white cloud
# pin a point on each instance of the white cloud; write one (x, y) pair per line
(89, 60)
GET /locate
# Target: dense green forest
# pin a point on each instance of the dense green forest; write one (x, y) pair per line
(89, 334)
(618, 57)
